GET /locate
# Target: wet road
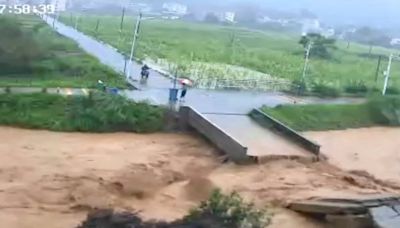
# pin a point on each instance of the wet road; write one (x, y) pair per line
(263, 142)
(61, 91)
(156, 89)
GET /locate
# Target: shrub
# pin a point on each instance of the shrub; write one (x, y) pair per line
(392, 91)
(386, 110)
(325, 90)
(299, 86)
(230, 211)
(357, 86)
(99, 113)
(220, 211)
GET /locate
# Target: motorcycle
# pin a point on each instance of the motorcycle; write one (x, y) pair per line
(144, 75)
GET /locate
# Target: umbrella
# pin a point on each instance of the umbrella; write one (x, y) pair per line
(186, 81)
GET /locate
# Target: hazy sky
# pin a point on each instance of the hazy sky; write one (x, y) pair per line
(384, 13)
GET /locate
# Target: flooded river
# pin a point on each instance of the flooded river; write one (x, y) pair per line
(375, 150)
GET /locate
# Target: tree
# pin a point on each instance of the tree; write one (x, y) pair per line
(18, 49)
(371, 37)
(211, 18)
(321, 46)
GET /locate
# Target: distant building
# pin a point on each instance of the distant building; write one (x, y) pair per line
(327, 33)
(346, 33)
(60, 5)
(264, 19)
(311, 26)
(175, 8)
(395, 42)
(230, 17)
(269, 20)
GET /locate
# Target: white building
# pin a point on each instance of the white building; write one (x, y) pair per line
(311, 26)
(60, 5)
(229, 17)
(327, 33)
(264, 19)
(175, 8)
(395, 42)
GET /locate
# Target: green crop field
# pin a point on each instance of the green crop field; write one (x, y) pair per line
(378, 111)
(277, 55)
(32, 54)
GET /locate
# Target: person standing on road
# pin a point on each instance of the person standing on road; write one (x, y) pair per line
(184, 91)
(186, 83)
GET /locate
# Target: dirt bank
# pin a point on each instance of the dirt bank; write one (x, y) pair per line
(52, 179)
(375, 150)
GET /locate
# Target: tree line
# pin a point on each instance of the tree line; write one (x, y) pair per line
(18, 48)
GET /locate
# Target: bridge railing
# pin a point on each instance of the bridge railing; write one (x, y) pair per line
(246, 84)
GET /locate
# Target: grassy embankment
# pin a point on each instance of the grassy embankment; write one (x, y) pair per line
(96, 113)
(382, 111)
(34, 55)
(278, 54)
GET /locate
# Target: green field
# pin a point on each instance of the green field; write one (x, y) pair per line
(34, 55)
(96, 113)
(276, 54)
(379, 111)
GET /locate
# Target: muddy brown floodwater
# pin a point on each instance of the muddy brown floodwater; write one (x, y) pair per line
(374, 150)
(50, 179)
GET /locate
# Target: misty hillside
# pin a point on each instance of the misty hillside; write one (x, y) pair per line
(377, 13)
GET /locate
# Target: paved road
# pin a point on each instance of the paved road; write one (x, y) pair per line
(259, 140)
(62, 91)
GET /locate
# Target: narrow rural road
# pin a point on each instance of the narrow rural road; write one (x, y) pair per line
(226, 109)
(62, 91)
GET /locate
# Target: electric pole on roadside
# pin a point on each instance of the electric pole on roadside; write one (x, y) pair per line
(55, 13)
(121, 26)
(76, 22)
(378, 67)
(307, 59)
(135, 36)
(387, 74)
(96, 29)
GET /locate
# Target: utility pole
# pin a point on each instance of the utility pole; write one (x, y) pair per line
(96, 30)
(307, 57)
(378, 67)
(232, 44)
(55, 13)
(121, 26)
(135, 36)
(387, 74)
(76, 22)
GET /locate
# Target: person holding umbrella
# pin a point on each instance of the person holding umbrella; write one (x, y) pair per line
(186, 83)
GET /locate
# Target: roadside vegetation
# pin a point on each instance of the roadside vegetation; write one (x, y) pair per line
(212, 50)
(378, 111)
(99, 112)
(33, 55)
(220, 211)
